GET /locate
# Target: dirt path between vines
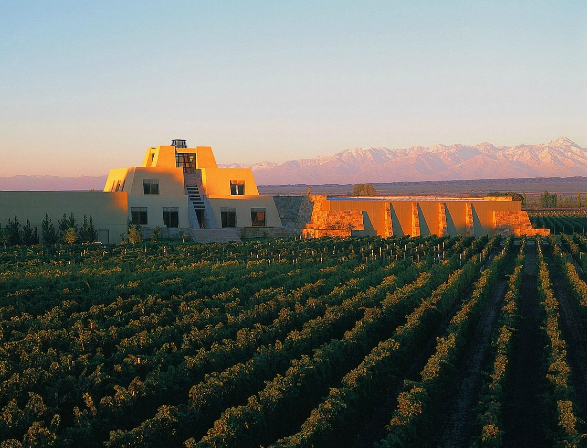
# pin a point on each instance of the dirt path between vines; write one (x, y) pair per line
(523, 410)
(375, 430)
(459, 424)
(573, 332)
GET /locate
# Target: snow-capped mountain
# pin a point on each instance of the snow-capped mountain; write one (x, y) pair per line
(558, 158)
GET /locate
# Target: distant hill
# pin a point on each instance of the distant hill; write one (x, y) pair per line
(558, 158)
(51, 183)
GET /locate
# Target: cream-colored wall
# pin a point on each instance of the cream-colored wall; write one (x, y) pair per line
(429, 211)
(115, 175)
(170, 181)
(375, 210)
(171, 194)
(164, 157)
(161, 157)
(401, 212)
(108, 210)
(155, 203)
(483, 210)
(216, 181)
(401, 217)
(205, 157)
(243, 206)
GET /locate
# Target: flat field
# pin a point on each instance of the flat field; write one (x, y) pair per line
(317, 343)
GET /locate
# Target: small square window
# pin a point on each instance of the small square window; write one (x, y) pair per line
(171, 216)
(237, 187)
(258, 217)
(138, 215)
(151, 186)
(228, 217)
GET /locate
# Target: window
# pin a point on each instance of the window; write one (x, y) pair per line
(186, 161)
(228, 217)
(237, 187)
(118, 186)
(138, 215)
(258, 217)
(151, 186)
(171, 216)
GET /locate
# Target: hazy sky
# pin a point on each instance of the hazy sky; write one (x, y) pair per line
(86, 86)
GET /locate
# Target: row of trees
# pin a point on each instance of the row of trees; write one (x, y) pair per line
(67, 232)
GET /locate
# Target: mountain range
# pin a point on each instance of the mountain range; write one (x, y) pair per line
(558, 158)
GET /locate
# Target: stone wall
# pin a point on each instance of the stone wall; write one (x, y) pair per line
(295, 211)
(325, 222)
(515, 223)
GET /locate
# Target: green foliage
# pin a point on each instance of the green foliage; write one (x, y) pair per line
(29, 235)
(236, 344)
(69, 236)
(156, 236)
(87, 233)
(67, 223)
(48, 233)
(134, 234)
(548, 200)
(3, 235)
(13, 232)
(364, 190)
(558, 372)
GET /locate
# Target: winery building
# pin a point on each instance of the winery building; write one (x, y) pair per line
(182, 190)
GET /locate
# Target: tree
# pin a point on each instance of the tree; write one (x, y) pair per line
(48, 232)
(87, 232)
(134, 234)
(364, 190)
(69, 236)
(548, 200)
(13, 232)
(67, 222)
(68, 229)
(29, 235)
(156, 234)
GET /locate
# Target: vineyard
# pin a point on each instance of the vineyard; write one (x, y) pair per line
(366, 342)
(560, 221)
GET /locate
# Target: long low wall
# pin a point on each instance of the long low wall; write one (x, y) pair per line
(109, 211)
(415, 216)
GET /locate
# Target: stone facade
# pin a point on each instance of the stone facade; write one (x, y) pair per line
(516, 223)
(325, 222)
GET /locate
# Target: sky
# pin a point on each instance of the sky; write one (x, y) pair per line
(86, 86)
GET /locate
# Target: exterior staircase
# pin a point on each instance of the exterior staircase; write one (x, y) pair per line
(198, 207)
(226, 235)
(195, 198)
